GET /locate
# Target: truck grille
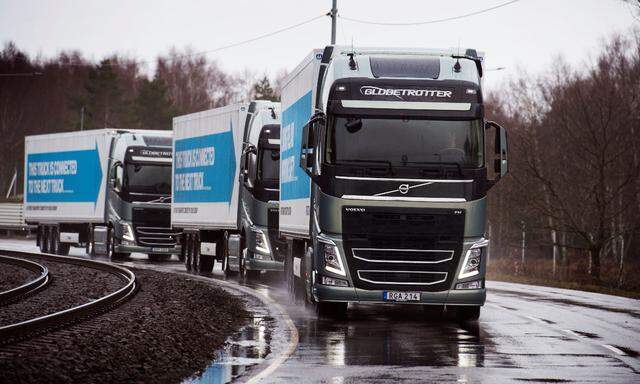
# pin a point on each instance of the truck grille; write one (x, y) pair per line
(402, 248)
(152, 227)
(155, 236)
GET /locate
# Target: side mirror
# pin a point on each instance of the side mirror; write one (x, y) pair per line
(116, 176)
(500, 161)
(247, 152)
(306, 150)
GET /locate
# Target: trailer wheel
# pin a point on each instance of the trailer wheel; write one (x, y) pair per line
(63, 249)
(182, 254)
(90, 247)
(53, 240)
(44, 239)
(290, 280)
(186, 247)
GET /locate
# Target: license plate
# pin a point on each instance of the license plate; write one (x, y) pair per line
(401, 296)
(160, 249)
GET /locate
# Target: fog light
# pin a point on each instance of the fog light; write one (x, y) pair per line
(261, 241)
(476, 284)
(334, 281)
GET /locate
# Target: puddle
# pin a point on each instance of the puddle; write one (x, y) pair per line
(543, 380)
(249, 347)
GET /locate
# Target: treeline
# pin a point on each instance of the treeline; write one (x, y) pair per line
(69, 93)
(570, 209)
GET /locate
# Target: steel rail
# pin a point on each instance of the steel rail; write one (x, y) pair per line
(28, 288)
(22, 330)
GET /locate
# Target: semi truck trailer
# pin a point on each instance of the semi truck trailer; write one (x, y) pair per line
(108, 190)
(386, 160)
(225, 189)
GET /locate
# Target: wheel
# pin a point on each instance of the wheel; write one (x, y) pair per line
(331, 310)
(206, 263)
(290, 280)
(471, 313)
(111, 247)
(54, 240)
(182, 254)
(63, 249)
(159, 257)
(91, 242)
(44, 239)
(226, 268)
(186, 246)
(195, 253)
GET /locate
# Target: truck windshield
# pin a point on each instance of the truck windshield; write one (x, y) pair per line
(148, 179)
(405, 141)
(269, 168)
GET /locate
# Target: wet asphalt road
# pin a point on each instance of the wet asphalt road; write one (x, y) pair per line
(525, 334)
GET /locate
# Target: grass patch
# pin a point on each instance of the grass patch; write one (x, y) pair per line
(563, 284)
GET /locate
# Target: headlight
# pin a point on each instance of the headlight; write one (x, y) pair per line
(331, 256)
(127, 232)
(262, 244)
(473, 259)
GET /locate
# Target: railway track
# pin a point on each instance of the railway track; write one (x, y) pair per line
(25, 329)
(28, 288)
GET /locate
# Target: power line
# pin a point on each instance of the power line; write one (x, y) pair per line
(257, 37)
(430, 21)
(264, 36)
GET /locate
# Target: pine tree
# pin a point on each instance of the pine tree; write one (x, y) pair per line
(152, 107)
(262, 90)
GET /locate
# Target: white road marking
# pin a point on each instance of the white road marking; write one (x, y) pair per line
(614, 349)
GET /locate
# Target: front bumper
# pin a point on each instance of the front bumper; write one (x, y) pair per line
(155, 250)
(356, 295)
(264, 265)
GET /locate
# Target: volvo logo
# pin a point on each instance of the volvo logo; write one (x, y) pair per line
(403, 188)
(352, 209)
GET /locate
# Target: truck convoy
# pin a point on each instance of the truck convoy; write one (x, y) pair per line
(383, 178)
(225, 188)
(108, 190)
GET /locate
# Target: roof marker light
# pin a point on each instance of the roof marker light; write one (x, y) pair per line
(471, 91)
(341, 88)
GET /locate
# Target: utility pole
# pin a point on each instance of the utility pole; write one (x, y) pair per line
(82, 118)
(524, 243)
(334, 19)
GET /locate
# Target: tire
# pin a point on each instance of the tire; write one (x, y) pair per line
(187, 251)
(91, 244)
(159, 257)
(225, 258)
(111, 247)
(182, 254)
(195, 253)
(206, 263)
(44, 239)
(63, 249)
(331, 310)
(54, 240)
(468, 314)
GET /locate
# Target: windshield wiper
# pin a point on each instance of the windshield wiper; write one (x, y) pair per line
(440, 163)
(386, 162)
(161, 199)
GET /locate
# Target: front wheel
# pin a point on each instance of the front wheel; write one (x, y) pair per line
(331, 310)
(471, 313)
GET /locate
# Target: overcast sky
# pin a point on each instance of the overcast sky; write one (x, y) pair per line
(528, 34)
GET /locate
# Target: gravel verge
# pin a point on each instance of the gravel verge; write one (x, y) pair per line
(12, 276)
(72, 285)
(168, 331)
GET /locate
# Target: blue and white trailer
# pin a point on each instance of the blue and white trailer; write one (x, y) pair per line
(225, 188)
(107, 190)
